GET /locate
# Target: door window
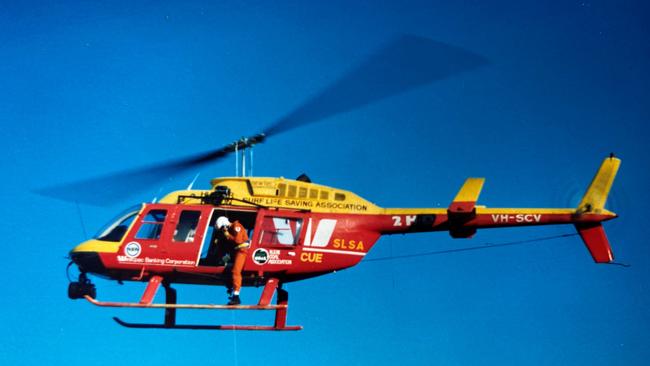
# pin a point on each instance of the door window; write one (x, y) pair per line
(186, 228)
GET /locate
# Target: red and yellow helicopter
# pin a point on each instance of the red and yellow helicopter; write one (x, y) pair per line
(297, 229)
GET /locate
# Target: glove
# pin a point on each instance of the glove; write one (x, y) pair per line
(226, 259)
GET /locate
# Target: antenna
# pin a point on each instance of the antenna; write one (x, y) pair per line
(189, 187)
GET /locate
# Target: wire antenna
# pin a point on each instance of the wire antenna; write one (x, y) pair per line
(466, 249)
(81, 220)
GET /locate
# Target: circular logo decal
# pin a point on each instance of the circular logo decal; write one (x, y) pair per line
(132, 249)
(261, 256)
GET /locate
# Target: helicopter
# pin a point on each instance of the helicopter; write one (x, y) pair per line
(297, 229)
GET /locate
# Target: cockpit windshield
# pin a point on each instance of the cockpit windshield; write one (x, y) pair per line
(116, 228)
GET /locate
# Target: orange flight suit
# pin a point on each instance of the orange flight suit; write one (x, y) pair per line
(237, 234)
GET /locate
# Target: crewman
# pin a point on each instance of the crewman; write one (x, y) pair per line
(236, 234)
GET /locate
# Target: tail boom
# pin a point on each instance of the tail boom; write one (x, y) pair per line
(507, 217)
(402, 221)
(463, 217)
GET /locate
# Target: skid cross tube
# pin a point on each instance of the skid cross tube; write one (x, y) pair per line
(271, 286)
(113, 304)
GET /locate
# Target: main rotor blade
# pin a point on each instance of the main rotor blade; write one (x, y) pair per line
(406, 63)
(107, 189)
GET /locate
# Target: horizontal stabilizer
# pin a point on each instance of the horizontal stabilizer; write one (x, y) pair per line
(463, 208)
(596, 241)
(465, 200)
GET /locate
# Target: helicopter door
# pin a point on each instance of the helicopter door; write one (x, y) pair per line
(148, 236)
(166, 235)
(213, 250)
(276, 239)
(190, 224)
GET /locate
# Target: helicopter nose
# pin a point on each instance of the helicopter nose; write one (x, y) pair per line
(88, 262)
(87, 255)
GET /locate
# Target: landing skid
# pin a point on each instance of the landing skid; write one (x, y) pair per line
(170, 306)
(203, 327)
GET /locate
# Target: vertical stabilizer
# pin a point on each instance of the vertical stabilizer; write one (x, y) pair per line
(596, 241)
(593, 202)
(596, 196)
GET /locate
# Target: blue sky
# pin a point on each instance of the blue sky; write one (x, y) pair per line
(90, 88)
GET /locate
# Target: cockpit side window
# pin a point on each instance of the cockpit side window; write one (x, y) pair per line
(116, 229)
(152, 225)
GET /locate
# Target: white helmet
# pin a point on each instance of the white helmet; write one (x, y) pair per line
(222, 221)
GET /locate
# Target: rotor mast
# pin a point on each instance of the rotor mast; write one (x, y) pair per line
(244, 145)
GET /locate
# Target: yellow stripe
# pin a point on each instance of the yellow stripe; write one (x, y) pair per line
(415, 211)
(547, 211)
(479, 210)
(98, 246)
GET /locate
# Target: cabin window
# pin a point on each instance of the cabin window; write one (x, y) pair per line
(186, 228)
(282, 189)
(324, 195)
(292, 191)
(302, 192)
(339, 196)
(115, 230)
(313, 194)
(280, 231)
(152, 225)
